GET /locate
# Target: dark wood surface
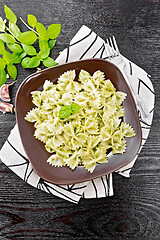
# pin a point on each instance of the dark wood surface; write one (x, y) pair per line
(134, 211)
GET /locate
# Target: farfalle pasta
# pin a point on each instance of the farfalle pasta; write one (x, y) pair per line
(82, 138)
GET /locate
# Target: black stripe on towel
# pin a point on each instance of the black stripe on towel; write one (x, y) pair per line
(59, 186)
(51, 187)
(139, 113)
(107, 185)
(98, 51)
(104, 186)
(102, 51)
(29, 175)
(89, 48)
(109, 178)
(130, 68)
(142, 121)
(41, 182)
(70, 187)
(25, 174)
(95, 189)
(145, 127)
(41, 187)
(149, 76)
(106, 57)
(152, 110)
(144, 138)
(81, 39)
(16, 165)
(141, 81)
(18, 152)
(76, 188)
(67, 56)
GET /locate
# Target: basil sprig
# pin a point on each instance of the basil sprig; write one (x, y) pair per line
(18, 47)
(67, 110)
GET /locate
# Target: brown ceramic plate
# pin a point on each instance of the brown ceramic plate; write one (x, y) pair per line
(35, 149)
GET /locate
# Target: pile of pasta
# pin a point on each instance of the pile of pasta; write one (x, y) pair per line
(85, 137)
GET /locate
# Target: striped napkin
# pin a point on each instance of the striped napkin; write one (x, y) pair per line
(85, 44)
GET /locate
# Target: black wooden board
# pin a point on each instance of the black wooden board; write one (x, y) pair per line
(134, 210)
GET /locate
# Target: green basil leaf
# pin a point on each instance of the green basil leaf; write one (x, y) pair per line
(3, 77)
(54, 30)
(14, 47)
(40, 28)
(7, 38)
(30, 50)
(49, 62)
(17, 57)
(2, 64)
(25, 62)
(43, 45)
(22, 55)
(28, 37)
(51, 43)
(2, 48)
(14, 28)
(7, 57)
(65, 111)
(43, 54)
(12, 71)
(44, 49)
(34, 62)
(2, 25)
(32, 20)
(10, 15)
(75, 107)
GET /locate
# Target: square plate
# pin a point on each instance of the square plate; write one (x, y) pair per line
(35, 149)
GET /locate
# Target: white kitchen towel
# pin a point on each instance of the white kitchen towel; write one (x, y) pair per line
(85, 44)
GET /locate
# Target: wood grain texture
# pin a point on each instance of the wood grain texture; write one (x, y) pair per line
(134, 211)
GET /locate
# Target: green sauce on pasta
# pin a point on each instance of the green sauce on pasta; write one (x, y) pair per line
(84, 137)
